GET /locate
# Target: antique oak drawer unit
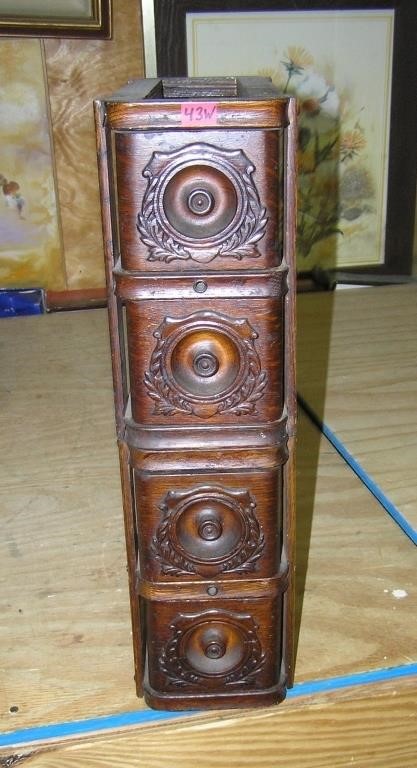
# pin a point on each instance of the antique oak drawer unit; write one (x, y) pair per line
(197, 188)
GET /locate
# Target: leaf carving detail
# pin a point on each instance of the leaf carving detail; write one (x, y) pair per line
(240, 244)
(168, 400)
(176, 563)
(180, 672)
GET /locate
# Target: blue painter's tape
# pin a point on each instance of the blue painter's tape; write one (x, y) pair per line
(367, 480)
(150, 716)
(82, 727)
(21, 301)
(311, 687)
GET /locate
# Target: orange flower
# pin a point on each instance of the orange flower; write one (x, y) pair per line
(351, 144)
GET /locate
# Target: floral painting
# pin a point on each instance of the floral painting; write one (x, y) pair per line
(338, 65)
(30, 246)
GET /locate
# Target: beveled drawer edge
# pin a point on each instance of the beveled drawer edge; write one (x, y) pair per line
(249, 284)
(214, 589)
(179, 700)
(160, 438)
(230, 461)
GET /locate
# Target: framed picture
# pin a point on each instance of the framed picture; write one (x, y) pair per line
(30, 236)
(353, 67)
(46, 18)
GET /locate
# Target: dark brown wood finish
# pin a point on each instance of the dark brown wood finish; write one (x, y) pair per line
(187, 458)
(207, 526)
(289, 527)
(222, 366)
(199, 240)
(235, 169)
(211, 655)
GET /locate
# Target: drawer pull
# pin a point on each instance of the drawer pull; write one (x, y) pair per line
(206, 364)
(200, 202)
(200, 286)
(215, 650)
(210, 530)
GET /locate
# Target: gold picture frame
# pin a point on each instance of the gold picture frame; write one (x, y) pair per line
(45, 18)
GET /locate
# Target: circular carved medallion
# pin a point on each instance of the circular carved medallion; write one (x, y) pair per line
(214, 648)
(201, 202)
(208, 530)
(205, 364)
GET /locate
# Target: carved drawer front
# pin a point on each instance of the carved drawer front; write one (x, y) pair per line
(221, 525)
(207, 198)
(212, 648)
(192, 364)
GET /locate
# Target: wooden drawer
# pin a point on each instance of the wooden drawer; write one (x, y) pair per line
(210, 651)
(208, 526)
(198, 224)
(199, 199)
(197, 363)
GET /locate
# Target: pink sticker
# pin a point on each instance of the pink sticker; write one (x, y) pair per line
(198, 113)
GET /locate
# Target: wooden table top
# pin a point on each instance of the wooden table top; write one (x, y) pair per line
(357, 371)
(65, 637)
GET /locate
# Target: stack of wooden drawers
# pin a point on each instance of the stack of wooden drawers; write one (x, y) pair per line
(197, 186)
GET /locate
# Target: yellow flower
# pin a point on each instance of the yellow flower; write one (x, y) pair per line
(351, 144)
(277, 76)
(299, 57)
(295, 62)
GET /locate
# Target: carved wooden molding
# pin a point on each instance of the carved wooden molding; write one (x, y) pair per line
(201, 203)
(208, 530)
(205, 364)
(216, 648)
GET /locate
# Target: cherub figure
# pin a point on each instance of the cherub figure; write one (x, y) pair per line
(13, 198)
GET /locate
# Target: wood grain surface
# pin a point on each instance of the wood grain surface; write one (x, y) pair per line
(260, 151)
(78, 71)
(357, 369)
(66, 648)
(367, 732)
(66, 645)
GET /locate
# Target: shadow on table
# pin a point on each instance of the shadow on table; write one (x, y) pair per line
(314, 329)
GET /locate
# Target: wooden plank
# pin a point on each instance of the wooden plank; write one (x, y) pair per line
(350, 560)
(369, 731)
(66, 648)
(357, 370)
(65, 639)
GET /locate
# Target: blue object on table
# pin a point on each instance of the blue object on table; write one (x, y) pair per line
(21, 301)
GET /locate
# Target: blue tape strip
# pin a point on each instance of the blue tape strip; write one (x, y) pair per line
(80, 727)
(151, 716)
(367, 480)
(311, 687)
